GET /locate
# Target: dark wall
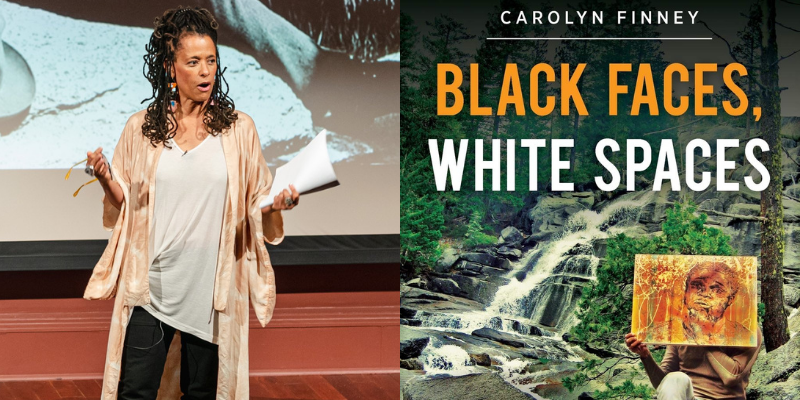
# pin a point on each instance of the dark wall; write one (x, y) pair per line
(302, 264)
(18, 285)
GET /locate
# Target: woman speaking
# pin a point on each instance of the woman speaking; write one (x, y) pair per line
(187, 249)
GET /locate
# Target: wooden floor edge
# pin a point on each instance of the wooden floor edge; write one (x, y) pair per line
(78, 377)
(363, 309)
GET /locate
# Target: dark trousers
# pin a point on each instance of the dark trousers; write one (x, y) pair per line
(145, 353)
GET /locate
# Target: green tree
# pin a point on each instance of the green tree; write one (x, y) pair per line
(421, 205)
(493, 56)
(762, 26)
(748, 50)
(575, 52)
(605, 306)
(623, 126)
(475, 236)
(776, 331)
(420, 221)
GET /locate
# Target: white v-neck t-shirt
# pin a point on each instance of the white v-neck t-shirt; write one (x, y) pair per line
(191, 188)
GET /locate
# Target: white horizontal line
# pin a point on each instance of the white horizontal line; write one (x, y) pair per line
(600, 38)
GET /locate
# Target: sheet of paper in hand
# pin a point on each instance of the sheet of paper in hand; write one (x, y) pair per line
(695, 300)
(309, 171)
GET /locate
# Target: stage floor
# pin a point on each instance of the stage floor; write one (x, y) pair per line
(278, 387)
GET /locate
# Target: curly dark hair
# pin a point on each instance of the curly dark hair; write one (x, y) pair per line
(160, 124)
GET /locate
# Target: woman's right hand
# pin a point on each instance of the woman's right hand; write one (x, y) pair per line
(98, 161)
(635, 345)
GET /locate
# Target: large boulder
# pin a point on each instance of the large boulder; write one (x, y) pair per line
(413, 301)
(487, 259)
(576, 265)
(509, 252)
(745, 236)
(653, 212)
(794, 323)
(585, 198)
(407, 375)
(745, 209)
(412, 364)
(411, 343)
(535, 347)
(407, 313)
(775, 374)
(500, 337)
(791, 296)
(551, 213)
(480, 288)
(446, 261)
(481, 359)
(791, 256)
(510, 236)
(469, 387)
(446, 286)
(599, 247)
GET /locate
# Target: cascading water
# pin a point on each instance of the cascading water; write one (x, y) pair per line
(549, 288)
(471, 321)
(537, 304)
(545, 283)
(446, 358)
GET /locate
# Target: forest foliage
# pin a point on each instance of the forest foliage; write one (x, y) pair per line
(445, 40)
(605, 307)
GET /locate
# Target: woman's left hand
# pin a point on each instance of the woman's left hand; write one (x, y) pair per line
(280, 201)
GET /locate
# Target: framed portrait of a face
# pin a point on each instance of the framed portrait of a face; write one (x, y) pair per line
(695, 300)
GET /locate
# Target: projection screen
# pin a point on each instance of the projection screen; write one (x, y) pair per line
(72, 74)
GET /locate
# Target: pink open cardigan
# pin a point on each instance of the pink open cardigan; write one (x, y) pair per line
(243, 265)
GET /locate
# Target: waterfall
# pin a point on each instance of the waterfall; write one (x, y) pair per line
(545, 284)
(469, 322)
(537, 305)
(552, 279)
